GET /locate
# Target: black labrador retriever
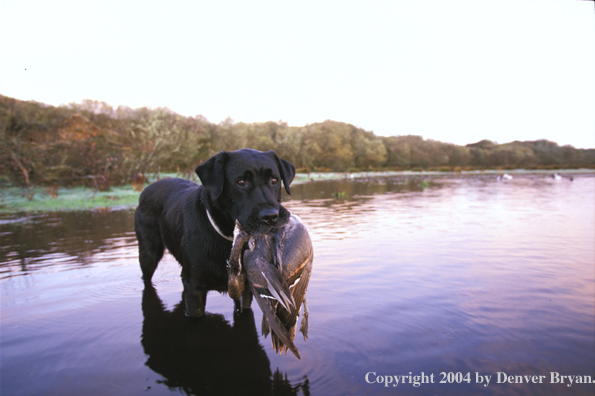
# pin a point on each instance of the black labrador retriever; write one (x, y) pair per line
(195, 223)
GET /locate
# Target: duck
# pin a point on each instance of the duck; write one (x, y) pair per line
(275, 269)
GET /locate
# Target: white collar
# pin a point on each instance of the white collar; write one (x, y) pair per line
(229, 238)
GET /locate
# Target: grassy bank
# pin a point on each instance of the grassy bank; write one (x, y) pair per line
(40, 199)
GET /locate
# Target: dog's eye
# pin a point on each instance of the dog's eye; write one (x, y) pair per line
(241, 182)
(274, 181)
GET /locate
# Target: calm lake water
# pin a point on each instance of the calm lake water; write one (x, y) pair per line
(466, 275)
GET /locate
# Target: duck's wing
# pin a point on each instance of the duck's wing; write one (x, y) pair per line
(270, 291)
(267, 281)
(298, 257)
(278, 271)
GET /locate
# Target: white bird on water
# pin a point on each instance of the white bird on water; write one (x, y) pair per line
(505, 176)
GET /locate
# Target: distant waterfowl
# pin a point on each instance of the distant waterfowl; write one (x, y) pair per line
(556, 176)
(275, 267)
(505, 176)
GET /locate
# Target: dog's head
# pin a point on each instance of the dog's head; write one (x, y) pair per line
(246, 185)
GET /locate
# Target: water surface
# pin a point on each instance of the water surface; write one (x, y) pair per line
(449, 274)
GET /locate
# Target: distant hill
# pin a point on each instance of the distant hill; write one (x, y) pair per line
(67, 145)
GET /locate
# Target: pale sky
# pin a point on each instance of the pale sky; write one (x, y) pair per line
(456, 71)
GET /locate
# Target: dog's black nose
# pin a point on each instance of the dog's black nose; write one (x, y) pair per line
(269, 215)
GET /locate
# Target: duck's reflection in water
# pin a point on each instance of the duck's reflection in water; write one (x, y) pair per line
(208, 356)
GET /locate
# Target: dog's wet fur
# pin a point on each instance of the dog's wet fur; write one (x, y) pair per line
(243, 185)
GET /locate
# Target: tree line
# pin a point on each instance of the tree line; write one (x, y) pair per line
(72, 144)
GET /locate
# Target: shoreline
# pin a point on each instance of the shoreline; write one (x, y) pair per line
(13, 202)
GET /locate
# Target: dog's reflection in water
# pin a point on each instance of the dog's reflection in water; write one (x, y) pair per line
(208, 356)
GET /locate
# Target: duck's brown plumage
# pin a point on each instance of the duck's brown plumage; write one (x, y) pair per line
(277, 266)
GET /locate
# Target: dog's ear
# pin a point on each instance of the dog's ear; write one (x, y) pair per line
(212, 174)
(287, 170)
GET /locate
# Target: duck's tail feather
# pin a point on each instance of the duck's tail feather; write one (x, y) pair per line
(280, 336)
(266, 328)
